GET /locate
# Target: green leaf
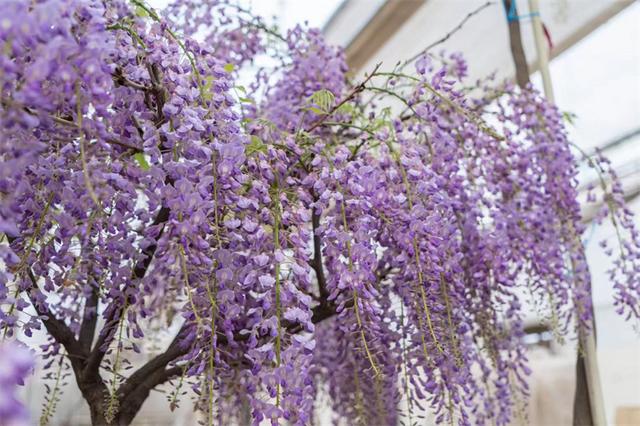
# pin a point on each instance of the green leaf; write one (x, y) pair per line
(346, 108)
(247, 100)
(256, 145)
(229, 68)
(322, 100)
(316, 110)
(140, 12)
(142, 161)
(378, 124)
(207, 94)
(569, 117)
(263, 122)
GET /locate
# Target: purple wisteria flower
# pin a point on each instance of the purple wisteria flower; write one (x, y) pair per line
(16, 363)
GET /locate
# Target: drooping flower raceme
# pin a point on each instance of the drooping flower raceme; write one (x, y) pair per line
(304, 236)
(15, 364)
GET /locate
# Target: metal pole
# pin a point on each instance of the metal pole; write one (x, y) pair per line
(587, 340)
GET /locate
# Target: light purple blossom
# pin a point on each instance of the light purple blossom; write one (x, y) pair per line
(16, 363)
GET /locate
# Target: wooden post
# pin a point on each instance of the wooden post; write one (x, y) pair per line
(588, 360)
(515, 43)
(541, 50)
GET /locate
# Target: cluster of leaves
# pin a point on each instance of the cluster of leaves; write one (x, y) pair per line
(370, 238)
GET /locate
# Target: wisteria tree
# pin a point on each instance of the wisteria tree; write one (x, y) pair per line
(373, 237)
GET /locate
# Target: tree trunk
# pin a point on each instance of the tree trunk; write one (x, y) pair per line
(97, 398)
(124, 411)
(97, 415)
(96, 393)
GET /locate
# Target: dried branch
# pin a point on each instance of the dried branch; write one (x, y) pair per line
(316, 262)
(448, 35)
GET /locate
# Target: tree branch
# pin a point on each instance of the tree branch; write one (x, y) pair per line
(120, 79)
(155, 372)
(141, 268)
(130, 406)
(160, 362)
(116, 309)
(316, 263)
(58, 329)
(89, 321)
(359, 88)
(96, 355)
(449, 34)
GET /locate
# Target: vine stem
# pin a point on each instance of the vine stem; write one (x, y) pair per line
(48, 410)
(276, 244)
(416, 255)
(355, 297)
(448, 35)
(185, 274)
(358, 395)
(112, 405)
(423, 296)
(404, 363)
(83, 155)
(214, 307)
(359, 88)
(452, 335)
(375, 368)
(477, 120)
(23, 260)
(213, 295)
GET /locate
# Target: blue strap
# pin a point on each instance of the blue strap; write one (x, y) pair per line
(513, 16)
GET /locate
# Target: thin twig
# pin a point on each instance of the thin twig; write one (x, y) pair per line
(357, 89)
(448, 35)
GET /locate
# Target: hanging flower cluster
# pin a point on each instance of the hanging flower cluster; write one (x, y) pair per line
(16, 365)
(306, 235)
